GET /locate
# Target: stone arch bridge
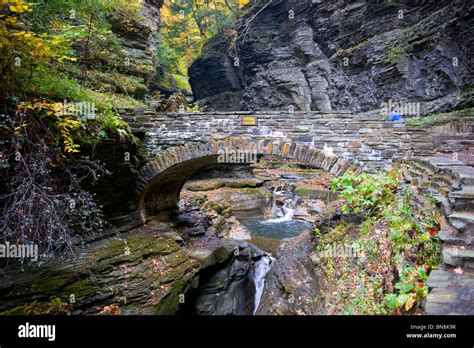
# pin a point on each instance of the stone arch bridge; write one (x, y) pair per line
(161, 179)
(179, 144)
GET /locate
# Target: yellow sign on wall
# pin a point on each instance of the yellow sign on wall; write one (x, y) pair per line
(249, 121)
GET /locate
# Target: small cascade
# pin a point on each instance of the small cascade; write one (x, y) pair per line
(262, 267)
(288, 211)
(279, 221)
(285, 212)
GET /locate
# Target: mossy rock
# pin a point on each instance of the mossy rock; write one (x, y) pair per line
(104, 275)
(305, 191)
(171, 302)
(252, 191)
(218, 207)
(83, 290)
(243, 183)
(227, 212)
(52, 284)
(204, 185)
(173, 83)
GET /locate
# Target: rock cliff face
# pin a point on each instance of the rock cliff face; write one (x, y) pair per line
(335, 55)
(223, 87)
(139, 41)
(226, 287)
(291, 286)
(144, 271)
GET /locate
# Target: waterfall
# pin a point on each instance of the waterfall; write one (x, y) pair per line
(288, 208)
(262, 267)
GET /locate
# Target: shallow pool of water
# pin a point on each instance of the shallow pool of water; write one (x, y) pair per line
(278, 228)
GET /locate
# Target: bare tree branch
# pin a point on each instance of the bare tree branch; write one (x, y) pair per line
(249, 21)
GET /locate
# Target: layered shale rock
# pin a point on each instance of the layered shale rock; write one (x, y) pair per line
(130, 68)
(144, 271)
(291, 286)
(326, 55)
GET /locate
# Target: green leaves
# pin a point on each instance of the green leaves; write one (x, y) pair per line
(422, 292)
(411, 289)
(366, 192)
(422, 274)
(394, 301)
(404, 287)
(395, 234)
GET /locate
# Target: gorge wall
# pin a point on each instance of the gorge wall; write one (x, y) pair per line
(134, 61)
(340, 55)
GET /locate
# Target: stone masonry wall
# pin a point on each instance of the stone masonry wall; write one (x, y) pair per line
(363, 141)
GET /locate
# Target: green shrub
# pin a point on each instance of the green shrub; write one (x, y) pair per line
(396, 247)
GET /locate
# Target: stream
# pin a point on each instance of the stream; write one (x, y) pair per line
(276, 213)
(277, 228)
(280, 223)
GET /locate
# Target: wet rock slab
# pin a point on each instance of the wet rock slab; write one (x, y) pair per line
(141, 272)
(291, 286)
(451, 293)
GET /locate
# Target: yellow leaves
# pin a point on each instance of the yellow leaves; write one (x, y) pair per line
(69, 123)
(135, 4)
(242, 3)
(410, 302)
(24, 34)
(56, 40)
(70, 147)
(38, 105)
(19, 7)
(167, 16)
(71, 59)
(11, 20)
(66, 124)
(21, 42)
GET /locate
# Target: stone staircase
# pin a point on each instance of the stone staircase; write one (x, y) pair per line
(449, 183)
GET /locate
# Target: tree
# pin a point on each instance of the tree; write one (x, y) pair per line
(188, 25)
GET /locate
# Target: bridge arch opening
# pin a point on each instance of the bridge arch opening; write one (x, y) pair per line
(162, 179)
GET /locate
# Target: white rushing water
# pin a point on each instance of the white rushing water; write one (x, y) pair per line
(288, 208)
(261, 269)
